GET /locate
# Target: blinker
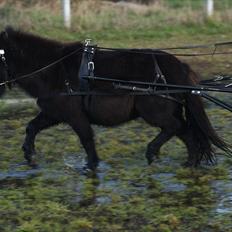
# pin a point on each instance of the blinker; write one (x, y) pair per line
(2, 52)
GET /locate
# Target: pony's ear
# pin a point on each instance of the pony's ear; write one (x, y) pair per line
(4, 35)
(9, 29)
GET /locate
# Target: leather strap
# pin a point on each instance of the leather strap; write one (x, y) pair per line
(87, 66)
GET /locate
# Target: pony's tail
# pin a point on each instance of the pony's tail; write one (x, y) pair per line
(203, 132)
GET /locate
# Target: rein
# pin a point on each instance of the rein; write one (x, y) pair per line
(156, 51)
(138, 51)
(30, 75)
(134, 87)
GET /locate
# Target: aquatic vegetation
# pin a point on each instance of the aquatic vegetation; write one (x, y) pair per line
(125, 194)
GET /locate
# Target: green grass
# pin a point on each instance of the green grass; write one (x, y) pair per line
(90, 17)
(126, 194)
(198, 4)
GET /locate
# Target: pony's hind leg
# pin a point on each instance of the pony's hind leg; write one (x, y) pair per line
(192, 147)
(162, 113)
(155, 145)
(40, 122)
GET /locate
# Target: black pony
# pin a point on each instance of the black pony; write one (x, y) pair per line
(26, 53)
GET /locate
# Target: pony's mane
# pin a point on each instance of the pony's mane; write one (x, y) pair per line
(20, 36)
(39, 49)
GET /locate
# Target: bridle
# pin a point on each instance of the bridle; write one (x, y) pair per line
(7, 71)
(10, 79)
(132, 86)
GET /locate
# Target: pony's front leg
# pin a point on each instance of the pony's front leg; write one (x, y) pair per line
(40, 122)
(81, 126)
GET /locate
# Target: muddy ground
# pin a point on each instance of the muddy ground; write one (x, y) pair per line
(125, 195)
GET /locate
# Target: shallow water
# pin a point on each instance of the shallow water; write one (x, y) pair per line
(125, 194)
(223, 189)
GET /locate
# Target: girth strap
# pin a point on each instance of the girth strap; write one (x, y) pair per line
(87, 65)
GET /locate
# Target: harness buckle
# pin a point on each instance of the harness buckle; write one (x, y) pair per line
(3, 59)
(69, 89)
(218, 78)
(88, 42)
(91, 66)
(196, 92)
(2, 53)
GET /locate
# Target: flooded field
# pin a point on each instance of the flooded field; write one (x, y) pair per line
(125, 194)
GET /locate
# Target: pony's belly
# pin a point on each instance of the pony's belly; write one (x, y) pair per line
(109, 110)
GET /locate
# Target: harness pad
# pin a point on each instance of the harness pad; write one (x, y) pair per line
(87, 65)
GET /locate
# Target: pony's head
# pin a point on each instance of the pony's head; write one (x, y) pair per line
(5, 49)
(26, 53)
(3, 60)
(3, 71)
(3, 74)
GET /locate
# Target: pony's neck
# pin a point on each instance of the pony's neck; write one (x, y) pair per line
(33, 52)
(30, 53)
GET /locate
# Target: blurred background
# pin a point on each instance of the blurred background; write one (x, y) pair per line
(89, 15)
(131, 23)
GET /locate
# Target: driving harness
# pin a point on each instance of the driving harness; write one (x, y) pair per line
(87, 71)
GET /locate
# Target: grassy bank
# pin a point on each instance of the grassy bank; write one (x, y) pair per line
(109, 21)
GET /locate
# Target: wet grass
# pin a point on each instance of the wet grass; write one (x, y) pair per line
(125, 194)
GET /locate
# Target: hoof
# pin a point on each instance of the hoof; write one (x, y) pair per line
(151, 154)
(90, 167)
(150, 160)
(32, 163)
(150, 157)
(88, 172)
(189, 164)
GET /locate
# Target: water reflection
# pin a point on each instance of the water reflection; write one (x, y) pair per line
(169, 183)
(223, 191)
(20, 171)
